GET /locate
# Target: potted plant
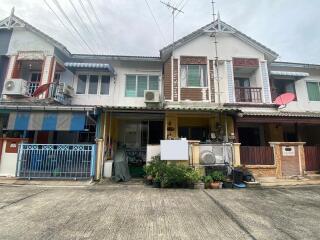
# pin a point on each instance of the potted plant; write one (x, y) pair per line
(207, 181)
(193, 178)
(217, 178)
(157, 182)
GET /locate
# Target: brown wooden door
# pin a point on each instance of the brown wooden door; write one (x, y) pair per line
(312, 157)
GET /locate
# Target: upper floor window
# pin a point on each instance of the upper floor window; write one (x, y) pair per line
(35, 77)
(93, 84)
(241, 82)
(136, 84)
(313, 91)
(193, 75)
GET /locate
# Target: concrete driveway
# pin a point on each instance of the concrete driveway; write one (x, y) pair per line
(138, 212)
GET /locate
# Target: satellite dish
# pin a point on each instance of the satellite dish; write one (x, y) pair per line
(41, 89)
(284, 99)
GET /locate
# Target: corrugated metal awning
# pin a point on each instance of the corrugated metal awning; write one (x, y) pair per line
(101, 66)
(283, 114)
(46, 121)
(290, 74)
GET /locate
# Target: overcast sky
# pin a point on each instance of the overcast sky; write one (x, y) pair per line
(289, 27)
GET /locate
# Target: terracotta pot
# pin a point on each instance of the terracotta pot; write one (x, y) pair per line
(215, 185)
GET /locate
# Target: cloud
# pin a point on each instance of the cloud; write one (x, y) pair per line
(287, 26)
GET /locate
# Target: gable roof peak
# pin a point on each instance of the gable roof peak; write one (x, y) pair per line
(13, 21)
(219, 26)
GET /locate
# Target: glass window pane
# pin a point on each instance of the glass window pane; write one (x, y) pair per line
(81, 86)
(193, 76)
(35, 77)
(105, 84)
(131, 86)
(142, 85)
(153, 82)
(93, 84)
(313, 91)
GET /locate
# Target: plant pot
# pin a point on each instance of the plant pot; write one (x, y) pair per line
(215, 185)
(156, 184)
(199, 185)
(227, 184)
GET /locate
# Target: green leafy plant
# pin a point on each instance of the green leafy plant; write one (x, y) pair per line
(208, 179)
(217, 176)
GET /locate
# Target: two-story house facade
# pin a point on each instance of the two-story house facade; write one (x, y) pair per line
(215, 85)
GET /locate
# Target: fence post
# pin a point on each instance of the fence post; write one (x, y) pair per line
(236, 154)
(19, 159)
(99, 159)
(93, 161)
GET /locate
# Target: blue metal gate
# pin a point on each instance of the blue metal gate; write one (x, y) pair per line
(64, 161)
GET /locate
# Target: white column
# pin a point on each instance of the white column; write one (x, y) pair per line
(230, 77)
(46, 70)
(265, 82)
(11, 65)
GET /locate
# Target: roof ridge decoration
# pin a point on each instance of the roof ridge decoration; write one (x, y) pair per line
(11, 22)
(15, 22)
(219, 26)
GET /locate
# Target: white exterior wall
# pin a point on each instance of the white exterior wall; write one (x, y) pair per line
(8, 162)
(116, 95)
(302, 104)
(23, 40)
(228, 47)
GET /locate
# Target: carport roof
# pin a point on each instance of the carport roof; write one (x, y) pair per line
(283, 114)
(170, 108)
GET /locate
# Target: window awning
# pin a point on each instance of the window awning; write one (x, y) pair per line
(101, 66)
(290, 74)
(46, 121)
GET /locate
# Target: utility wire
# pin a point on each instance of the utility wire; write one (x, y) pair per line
(96, 16)
(155, 20)
(71, 24)
(90, 20)
(185, 3)
(60, 20)
(82, 23)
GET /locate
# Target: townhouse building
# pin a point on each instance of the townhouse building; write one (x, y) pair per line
(63, 115)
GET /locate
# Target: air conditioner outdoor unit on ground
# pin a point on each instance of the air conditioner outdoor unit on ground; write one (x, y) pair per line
(151, 96)
(66, 89)
(15, 87)
(211, 154)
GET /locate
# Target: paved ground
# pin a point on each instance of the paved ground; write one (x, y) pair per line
(137, 212)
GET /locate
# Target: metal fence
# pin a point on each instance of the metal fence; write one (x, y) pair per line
(64, 161)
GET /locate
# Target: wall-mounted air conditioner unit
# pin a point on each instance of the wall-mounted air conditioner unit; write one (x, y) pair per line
(15, 87)
(151, 96)
(66, 89)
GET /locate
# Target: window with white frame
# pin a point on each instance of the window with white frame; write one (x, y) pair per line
(136, 84)
(93, 84)
(193, 76)
(313, 89)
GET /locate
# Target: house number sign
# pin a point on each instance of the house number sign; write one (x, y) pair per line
(288, 151)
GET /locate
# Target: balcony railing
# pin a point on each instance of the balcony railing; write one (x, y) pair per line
(32, 86)
(248, 94)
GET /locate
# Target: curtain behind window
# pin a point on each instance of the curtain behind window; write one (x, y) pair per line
(183, 75)
(313, 91)
(193, 76)
(131, 86)
(142, 85)
(105, 85)
(153, 82)
(81, 85)
(93, 84)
